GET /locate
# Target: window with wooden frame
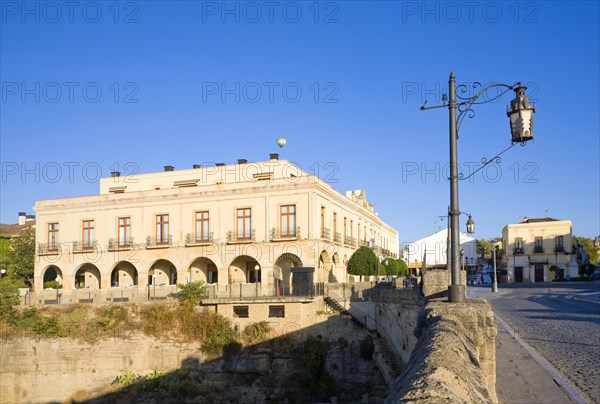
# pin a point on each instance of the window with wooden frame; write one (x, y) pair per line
(52, 236)
(124, 232)
(162, 229)
(287, 220)
(243, 223)
(87, 238)
(202, 226)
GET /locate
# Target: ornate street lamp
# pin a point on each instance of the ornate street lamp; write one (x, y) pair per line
(521, 127)
(470, 225)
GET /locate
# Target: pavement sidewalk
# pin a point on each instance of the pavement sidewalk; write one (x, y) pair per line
(522, 375)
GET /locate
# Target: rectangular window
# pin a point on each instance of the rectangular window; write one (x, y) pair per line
(277, 311)
(322, 221)
(244, 231)
(345, 228)
(162, 229)
(52, 236)
(351, 228)
(519, 245)
(240, 311)
(558, 244)
(202, 227)
(539, 245)
(88, 234)
(334, 222)
(124, 234)
(287, 221)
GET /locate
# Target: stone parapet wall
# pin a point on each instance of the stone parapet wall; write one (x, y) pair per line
(436, 282)
(455, 357)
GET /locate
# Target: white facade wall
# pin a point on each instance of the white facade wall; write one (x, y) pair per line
(220, 191)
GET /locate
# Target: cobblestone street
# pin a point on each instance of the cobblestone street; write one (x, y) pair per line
(562, 322)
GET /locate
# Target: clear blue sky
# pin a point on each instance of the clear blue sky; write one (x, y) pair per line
(168, 72)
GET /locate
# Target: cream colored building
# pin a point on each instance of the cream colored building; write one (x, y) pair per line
(533, 246)
(245, 224)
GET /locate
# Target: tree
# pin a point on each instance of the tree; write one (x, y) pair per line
(363, 262)
(402, 267)
(21, 256)
(588, 247)
(390, 267)
(192, 293)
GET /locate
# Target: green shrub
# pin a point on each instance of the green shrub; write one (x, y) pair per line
(9, 298)
(192, 293)
(46, 326)
(53, 284)
(363, 262)
(256, 332)
(127, 378)
(110, 317)
(216, 333)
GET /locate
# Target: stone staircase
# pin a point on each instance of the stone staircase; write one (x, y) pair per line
(383, 356)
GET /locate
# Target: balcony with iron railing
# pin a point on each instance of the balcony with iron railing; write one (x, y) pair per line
(518, 251)
(559, 249)
(538, 249)
(337, 237)
(235, 238)
(287, 235)
(79, 247)
(48, 248)
(120, 245)
(363, 243)
(198, 239)
(160, 242)
(325, 233)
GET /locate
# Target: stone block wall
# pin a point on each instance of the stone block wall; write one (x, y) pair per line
(455, 357)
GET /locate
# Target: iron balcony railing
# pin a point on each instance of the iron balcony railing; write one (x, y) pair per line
(518, 251)
(325, 233)
(363, 243)
(538, 250)
(277, 234)
(233, 237)
(48, 248)
(337, 237)
(114, 245)
(559, 248)
(161, 242)
(79, 247)
(199, 238)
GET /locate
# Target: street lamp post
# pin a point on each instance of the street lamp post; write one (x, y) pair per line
(2, 273)
(495, 284)
(256, 269)
(521, 125)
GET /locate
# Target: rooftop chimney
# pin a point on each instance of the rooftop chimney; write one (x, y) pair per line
(169, 168)
(219, 164)
(197, 166)
(274, 156)
(22, 218)
(242, 161)
(115, 174)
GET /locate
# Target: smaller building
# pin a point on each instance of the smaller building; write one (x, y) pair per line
(431, 251)
(534, 246)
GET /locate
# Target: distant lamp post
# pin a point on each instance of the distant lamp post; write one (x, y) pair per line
(256, 269)
(2, 273)
(154, 286)
(495, 284)
(521, 128)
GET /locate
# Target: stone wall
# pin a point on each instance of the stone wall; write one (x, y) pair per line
(436, 282)
(455, 358)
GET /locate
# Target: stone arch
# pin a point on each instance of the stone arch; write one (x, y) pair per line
(243, 270)
(162, 272)
(325, 268)
(124, 274)
(203, 269)
(52, 273)
(283, 268)
(87, 277)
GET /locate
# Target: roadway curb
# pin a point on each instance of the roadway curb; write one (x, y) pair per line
(574, 394)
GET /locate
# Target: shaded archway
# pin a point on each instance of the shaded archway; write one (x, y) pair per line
(162, 273)
(325, 268)
(243, 270)
(283, 270)
(52, 273)
(87, 277)
(203, 269)
(124, 274)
